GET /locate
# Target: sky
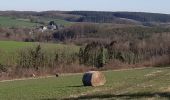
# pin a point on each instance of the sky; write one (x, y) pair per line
(155, 6)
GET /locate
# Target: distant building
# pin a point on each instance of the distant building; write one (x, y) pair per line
(52, 25)
(43, 28)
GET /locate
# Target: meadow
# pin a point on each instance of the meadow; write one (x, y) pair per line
(11, 22)
(58, 21)
(141, 84)
(26, 23)
(9, 49)
(10, 46)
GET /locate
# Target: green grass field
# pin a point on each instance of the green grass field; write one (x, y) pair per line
(136, 84)
(58, 21)
(46, 20)
(10, 46)
(63, 22)
(8, 49)
(10, 22)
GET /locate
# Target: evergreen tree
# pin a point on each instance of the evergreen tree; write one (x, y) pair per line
(101, 59)
(81, 56)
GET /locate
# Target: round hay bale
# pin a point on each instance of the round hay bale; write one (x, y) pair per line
(93, 78)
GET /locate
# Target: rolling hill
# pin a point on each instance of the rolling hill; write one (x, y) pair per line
(94, 16)
(11, 22)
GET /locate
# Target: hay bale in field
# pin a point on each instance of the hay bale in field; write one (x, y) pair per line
(93, 78)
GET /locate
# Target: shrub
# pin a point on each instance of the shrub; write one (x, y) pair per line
(94, 54)
(31, 58)
(3, 68)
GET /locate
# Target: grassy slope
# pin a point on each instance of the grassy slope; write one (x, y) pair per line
(9, 22)
(14, 45)
(63, 22)
(59, 21)
(149, 83)
(8, 49)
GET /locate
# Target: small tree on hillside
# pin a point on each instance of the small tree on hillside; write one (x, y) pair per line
(102, 57)
(81, 56)
(94, 54)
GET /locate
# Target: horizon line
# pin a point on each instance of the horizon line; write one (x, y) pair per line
(82, 11)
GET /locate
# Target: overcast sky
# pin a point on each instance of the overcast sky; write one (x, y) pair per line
(157, 6)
